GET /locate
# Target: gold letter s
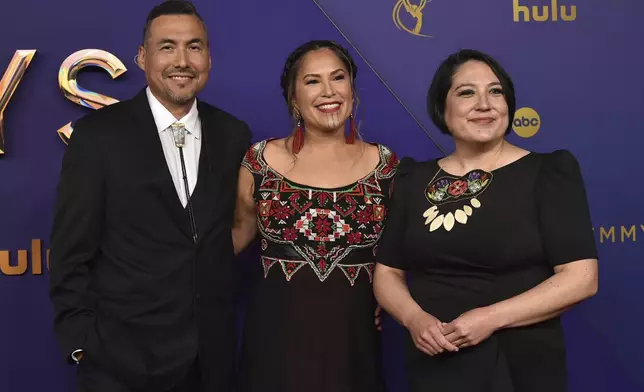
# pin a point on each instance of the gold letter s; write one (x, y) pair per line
(67, 81)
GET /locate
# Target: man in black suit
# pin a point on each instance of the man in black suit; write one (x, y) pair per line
(141, 273)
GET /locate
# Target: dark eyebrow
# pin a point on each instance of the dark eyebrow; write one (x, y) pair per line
(173, 42)
(166, 41)
(472, 85)
(318, 75)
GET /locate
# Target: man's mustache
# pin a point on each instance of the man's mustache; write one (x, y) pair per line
(180, 71)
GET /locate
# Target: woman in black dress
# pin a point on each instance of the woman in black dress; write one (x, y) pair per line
(496, 242)
(318, 199)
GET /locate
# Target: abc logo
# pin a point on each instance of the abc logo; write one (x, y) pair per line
(526, 122)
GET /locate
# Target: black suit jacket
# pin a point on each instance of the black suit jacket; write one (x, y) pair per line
(128, 284)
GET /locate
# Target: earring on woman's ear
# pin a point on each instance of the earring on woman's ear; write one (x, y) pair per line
(298, 138)
(352, 130)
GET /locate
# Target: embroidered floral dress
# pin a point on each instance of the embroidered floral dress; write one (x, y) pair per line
(311, 327)
(474, 240)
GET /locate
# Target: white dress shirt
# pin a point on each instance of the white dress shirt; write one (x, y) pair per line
(191, 150)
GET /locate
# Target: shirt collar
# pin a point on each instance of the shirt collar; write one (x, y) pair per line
(164, 119)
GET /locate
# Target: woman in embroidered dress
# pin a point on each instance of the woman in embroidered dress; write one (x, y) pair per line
(496, 242)
(318, 201)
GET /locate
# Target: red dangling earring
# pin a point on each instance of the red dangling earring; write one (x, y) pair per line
(352, 130)
(298, 138)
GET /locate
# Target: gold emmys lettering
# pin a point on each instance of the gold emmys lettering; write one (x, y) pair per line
(619, 233)
(10, 81)
(67, 82)
(415, 11)
(68, 74)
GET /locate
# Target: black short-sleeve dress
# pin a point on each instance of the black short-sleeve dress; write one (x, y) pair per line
(474, 240)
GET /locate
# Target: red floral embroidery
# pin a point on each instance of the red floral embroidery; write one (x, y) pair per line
(364, 216)
(354, 238)
(290, 234)
(281, 212)
(449, 188)
(457, 188)
(322, 225)
(323, 228)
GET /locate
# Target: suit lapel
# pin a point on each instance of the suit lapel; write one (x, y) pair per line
(207, 190)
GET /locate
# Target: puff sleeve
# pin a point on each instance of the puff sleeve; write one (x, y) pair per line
(563, 212)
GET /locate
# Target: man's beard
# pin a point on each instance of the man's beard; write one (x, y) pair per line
(181, 99)
(186, 97)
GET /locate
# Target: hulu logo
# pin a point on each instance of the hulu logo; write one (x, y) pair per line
(544, 13)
